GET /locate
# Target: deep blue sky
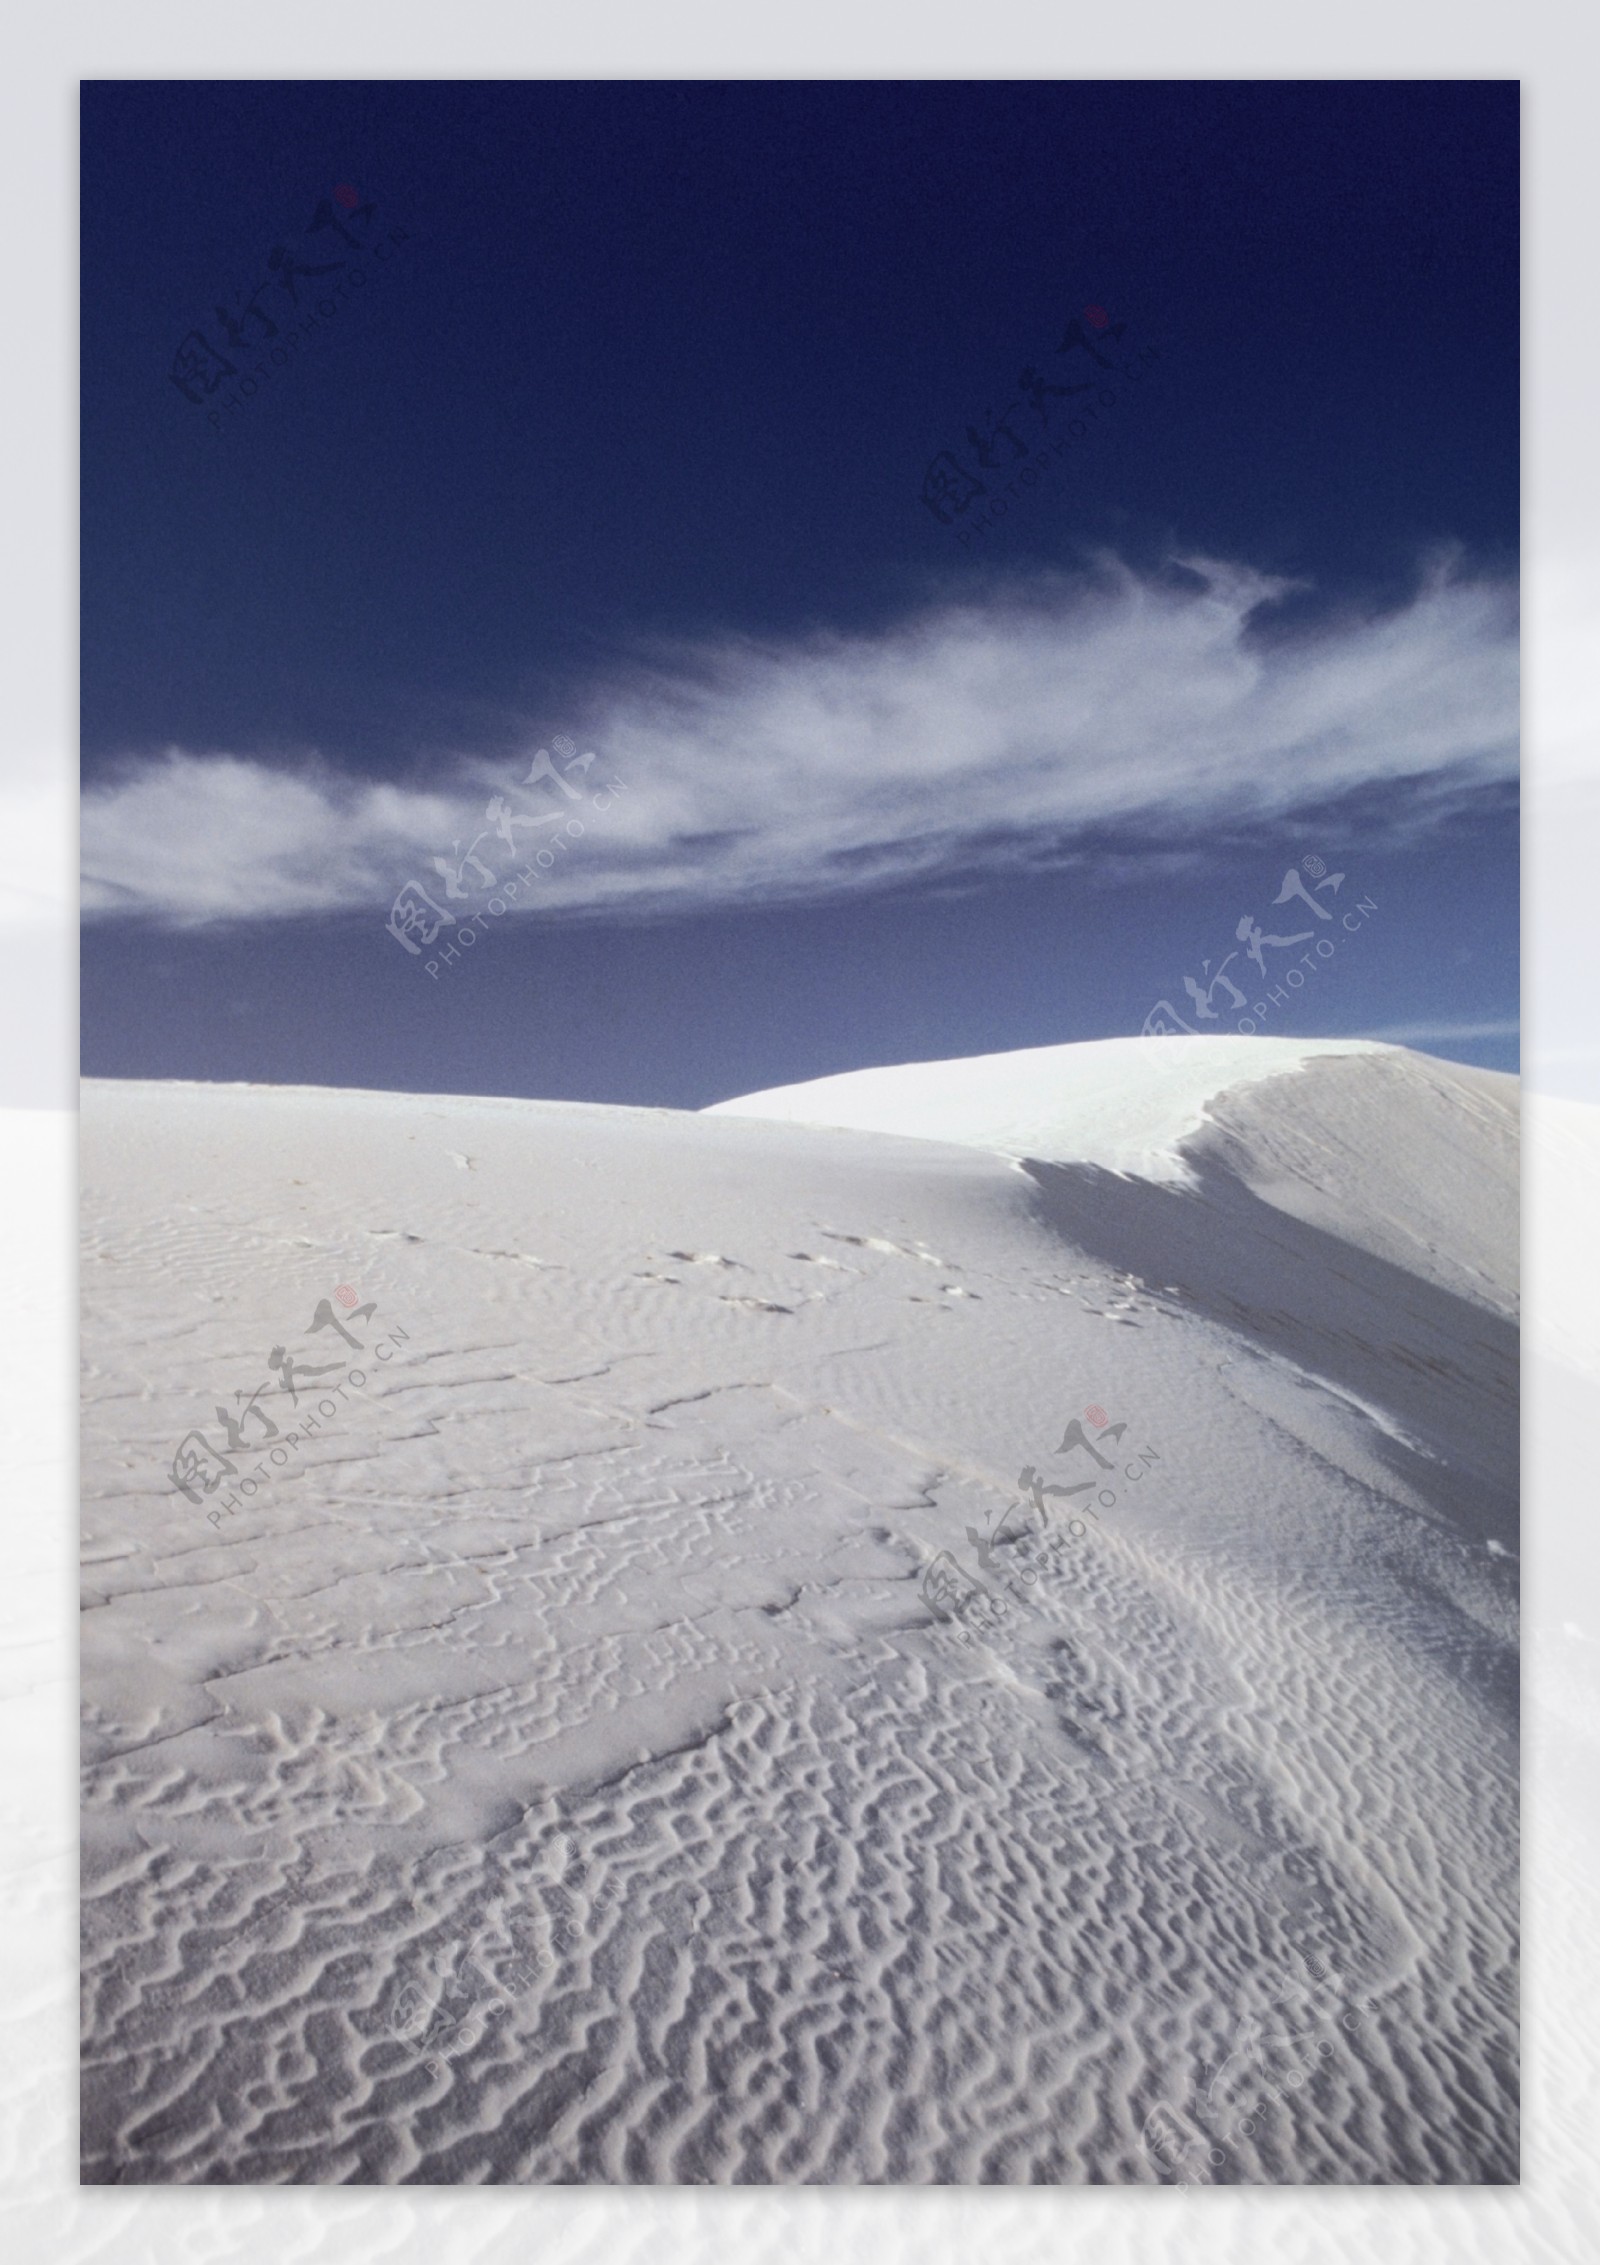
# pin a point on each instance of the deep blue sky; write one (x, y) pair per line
(657, 362)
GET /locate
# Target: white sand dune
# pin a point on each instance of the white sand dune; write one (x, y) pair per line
(1127, 1105)
(555, 1769)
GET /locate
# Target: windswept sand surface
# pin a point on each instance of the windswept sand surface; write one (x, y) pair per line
(554, 1770)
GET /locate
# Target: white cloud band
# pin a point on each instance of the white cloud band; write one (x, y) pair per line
(973, 737)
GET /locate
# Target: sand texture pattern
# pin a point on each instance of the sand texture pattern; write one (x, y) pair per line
(806, 1651)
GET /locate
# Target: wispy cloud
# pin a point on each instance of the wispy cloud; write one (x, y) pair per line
(970, 738)
(1415, 1033)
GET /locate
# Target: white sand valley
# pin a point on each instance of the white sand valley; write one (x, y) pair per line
(555, 1768)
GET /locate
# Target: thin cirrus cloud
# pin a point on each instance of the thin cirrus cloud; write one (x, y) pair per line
(971, 738)
(1406, 1034)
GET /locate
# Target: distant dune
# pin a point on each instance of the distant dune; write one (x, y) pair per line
(956, 1623)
